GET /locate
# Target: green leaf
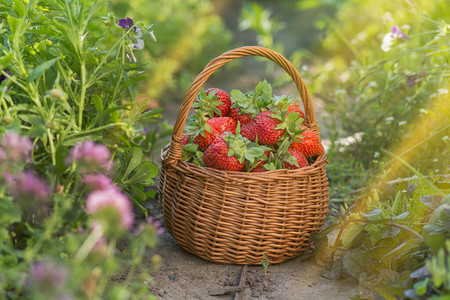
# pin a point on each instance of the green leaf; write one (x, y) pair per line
(355, 263)
(144, 174)
(13, 23)
(421, 287)
(10, 212)
(6, 60)
(397, 204)
(351, 231)
(255, 151)
(435, 241)
(402, 216)
(36, 72)
(98, 103)
(431, 201)
(32, 119)
(19, 8)
(375, 232)
(36, 131)
(135, 155)
(372, 213)
(208, 128)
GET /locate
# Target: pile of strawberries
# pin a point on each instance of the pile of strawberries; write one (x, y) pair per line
(249, 132)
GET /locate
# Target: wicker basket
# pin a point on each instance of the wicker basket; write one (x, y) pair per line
(236, 217)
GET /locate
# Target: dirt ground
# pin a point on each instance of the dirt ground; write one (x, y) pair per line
(183, 275)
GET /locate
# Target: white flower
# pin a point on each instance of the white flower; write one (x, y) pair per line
(423, 111)
(445, 138)
(435, 160)
(376, 154)
(401, 123)
(442, 91)
(388, 120)
(388, 42)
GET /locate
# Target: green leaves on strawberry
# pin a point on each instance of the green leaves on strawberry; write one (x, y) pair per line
(246, 106)
(296, 160)
(268, 127)
(239, 152)
(206, 130)
(217, 156)
(308, 143)
(289, 104)
(213, 102)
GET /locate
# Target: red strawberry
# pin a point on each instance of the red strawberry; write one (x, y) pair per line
(223, 97)
(301, 160)
(235, 113)
(218, 126)
(309, 145)
(260, 163)
(189, 139)
(263, 127)
(216, 156)
(294, 107)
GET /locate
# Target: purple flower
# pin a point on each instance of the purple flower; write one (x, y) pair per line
(396, 31)
(91, 157)
(157, 224)
(48, 276)
(30, 192)
(126, 23)
(15, 147)
(97, 181)
(3, 77)
(111, 198)
(146, 130)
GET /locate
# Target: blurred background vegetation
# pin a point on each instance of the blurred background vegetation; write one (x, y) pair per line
(371, 97)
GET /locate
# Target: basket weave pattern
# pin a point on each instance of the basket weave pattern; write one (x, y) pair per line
(236, 217)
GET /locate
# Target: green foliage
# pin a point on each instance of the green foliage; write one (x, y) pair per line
(387, 235)
(391, 93)
(189, 34)
(69, 75)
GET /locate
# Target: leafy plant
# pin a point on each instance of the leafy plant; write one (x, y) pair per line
(265, 263)
(70, 152)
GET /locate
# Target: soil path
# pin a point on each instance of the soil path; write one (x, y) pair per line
(183, 275)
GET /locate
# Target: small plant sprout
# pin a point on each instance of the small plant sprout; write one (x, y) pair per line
(265, 263)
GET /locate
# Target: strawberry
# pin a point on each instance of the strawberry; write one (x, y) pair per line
(213, 128)
(213, 103)
(260, 163)
(309, 145)
(295, 108)
(264, 128)
(235, 113)
(223, 97)
(186, 139)
(299, 158)
(216, 156)
(246, 106)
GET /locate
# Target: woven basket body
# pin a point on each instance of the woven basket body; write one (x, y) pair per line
(237, 217)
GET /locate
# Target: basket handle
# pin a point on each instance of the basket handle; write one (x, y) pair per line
(174, 153)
